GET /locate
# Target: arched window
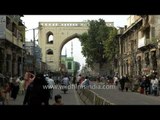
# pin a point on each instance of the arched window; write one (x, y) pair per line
(49, 38)
(49, 52)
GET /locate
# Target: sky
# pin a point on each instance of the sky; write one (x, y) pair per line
(31, 22)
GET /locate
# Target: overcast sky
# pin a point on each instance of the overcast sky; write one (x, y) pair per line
(31, 21)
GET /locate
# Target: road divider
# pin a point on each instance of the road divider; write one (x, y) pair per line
(91, 98)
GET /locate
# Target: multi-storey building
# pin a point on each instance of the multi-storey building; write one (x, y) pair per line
(12, 37)
(139, 47)
(35, 53)
(68, 65)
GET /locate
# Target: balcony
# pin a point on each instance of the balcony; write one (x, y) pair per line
(144, 44)
(8, 35)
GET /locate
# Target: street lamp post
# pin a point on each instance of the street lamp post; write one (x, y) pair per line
(34, 55)
(34, 58)
(22, 62)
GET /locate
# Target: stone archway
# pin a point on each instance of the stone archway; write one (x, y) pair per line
(63, 32)
(76, 35)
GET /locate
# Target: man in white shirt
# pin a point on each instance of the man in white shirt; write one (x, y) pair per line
(85, 83)
(65, 83)
(154, 83)
(115, 80)
(78, 79)
(51, 84)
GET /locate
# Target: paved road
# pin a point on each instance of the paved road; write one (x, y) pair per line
(71, 98)
(127, 98)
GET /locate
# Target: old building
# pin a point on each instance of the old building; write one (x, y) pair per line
(12, 36)
(35, 55)
(139, 50)
(54, 35)
(69, 66)
(128, 42)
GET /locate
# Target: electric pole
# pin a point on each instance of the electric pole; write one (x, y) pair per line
(34, 56)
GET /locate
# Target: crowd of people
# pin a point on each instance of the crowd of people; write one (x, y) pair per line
(31, 86)
(147, 84)
(11, 89)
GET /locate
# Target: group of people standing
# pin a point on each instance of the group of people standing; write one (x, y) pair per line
(82, 81)
(32, 87)
(149, 85)
(11, 89)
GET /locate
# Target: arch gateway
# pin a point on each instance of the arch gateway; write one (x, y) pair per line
(54, 35)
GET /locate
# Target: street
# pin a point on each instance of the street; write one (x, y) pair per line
(114, 96)
(70, 98)
(118, 97)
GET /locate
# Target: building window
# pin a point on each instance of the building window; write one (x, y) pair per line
(147, 33)
(49, 52)
(19, 36)
(50, 38)
(8, 24)
(14, 29)
(127, 66)
(139, 65)
(147, 58)
(154, 60)
(153, 32)
(69, 65)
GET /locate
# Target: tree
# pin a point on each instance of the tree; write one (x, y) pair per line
(111, 45)
(93, 42)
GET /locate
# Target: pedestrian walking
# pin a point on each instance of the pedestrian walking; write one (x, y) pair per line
(51, 83)
(65, 83)
(78, 79)
(154, 83)
(6, 92)
(142, 84)
(122, 83)
(115, 78)
(86, 83)
(15, 89)
(126, 83)
(38, 94)
(147, 85)
(21, 86)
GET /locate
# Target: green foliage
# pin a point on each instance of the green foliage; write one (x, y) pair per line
(97, 42)
(111, 45)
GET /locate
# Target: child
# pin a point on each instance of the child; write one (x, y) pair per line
(58, 100)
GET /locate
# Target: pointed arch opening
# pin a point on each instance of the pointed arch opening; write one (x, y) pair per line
(50, 37)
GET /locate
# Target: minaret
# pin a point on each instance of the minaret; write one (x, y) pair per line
(66, 52)
(71, 49)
